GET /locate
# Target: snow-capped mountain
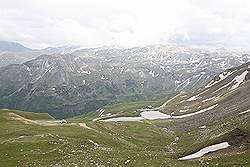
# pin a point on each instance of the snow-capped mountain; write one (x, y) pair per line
(70, 84)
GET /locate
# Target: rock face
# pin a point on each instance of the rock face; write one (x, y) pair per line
(65, 85)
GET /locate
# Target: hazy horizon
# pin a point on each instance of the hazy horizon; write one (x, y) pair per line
(89, 24)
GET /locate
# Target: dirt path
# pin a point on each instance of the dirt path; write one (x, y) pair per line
(14, 116)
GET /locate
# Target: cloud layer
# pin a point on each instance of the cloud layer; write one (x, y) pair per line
(91, 23)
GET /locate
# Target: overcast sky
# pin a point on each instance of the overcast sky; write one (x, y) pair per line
(91, 23)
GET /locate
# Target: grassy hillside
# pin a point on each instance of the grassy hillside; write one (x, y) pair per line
(102, 144)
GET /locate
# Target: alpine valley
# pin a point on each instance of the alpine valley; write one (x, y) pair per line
(70, 81)
(205, 127)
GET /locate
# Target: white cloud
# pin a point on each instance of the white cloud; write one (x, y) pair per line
(90, 23)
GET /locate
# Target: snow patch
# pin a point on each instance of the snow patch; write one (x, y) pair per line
(184, 110)
(124, 119)
(244, 112)
(196, 96)
(211, 98)
(206, 150)
(195, 113)
(127, 161)
(100, 111)
(239, 79)
(183, 84)
(193, 98)
(104, 78)
(152, 115)
(83, 71)
(202, 127)
(91, 141)
(121, 69)
(163, 68)
(222, 76)
(153, 74)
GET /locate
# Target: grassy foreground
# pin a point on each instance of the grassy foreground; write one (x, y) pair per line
(25, 143)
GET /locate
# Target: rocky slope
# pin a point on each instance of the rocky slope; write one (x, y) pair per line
(70, 84)
(226, 95)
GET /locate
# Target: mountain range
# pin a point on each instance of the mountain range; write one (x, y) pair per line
(85, 80)
(206, 127)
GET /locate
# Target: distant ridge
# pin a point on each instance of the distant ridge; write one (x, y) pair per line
(6, 46)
